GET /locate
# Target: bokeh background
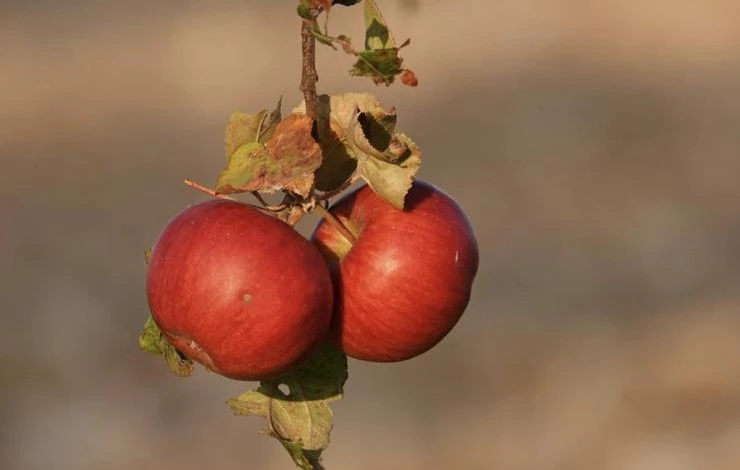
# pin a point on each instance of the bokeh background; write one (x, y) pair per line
(595, 146)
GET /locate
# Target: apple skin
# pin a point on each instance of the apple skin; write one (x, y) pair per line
(406, 280)
(238, 291)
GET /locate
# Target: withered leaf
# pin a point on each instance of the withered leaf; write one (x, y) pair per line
(245, 128)
(286, 161)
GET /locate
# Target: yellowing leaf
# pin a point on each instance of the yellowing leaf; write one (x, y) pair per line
(360, 139)
(154, 342)
(286, 161)
(247, 128)
(293, 142)
(342, 107)
(247, 169)
(392, 180)
(297, 405)
(335, 114)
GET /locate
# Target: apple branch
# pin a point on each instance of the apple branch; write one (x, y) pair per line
(309, 76)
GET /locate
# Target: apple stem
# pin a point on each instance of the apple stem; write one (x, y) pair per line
(346, 233)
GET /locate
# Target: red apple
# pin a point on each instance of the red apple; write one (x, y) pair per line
(404, 282)
(238, 291)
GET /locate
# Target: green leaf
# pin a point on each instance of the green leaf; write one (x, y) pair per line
(154, 342)
(244, 168)
(285, 162)
(248, 128)
(380, 60)
(300, 418)
(377, 33)
(151, 339)
(382, 65)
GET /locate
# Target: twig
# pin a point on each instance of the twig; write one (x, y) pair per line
(209, 191)
(348, 49)
(280, 207)
(309, 76)
(212, 192)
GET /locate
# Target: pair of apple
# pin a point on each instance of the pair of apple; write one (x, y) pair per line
(245, 295)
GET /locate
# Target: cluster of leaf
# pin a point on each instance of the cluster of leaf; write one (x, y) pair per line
(379, 59)
(354, 138)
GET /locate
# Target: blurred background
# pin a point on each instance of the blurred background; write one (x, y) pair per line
(595, 146)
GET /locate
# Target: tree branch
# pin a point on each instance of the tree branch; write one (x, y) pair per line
(309, 76)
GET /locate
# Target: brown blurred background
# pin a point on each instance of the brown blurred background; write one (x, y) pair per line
(595, 146)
